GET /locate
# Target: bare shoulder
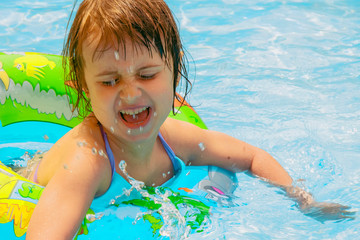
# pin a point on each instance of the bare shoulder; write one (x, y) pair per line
(183, 137)
(207, 147)
(81, 151)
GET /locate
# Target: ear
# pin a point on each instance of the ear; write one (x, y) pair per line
(85, 89)
(87, 93)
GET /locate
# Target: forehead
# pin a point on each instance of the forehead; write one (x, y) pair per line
(94, 50)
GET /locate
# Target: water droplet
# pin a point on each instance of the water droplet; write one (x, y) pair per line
(141, 129)
(129, 131)
(115, 121)
(153, 184)
(130, 69)
(116, 54)
(201, 146)
(96, 144)
(155, 114)
(101, 152)
(66, 167)
(94, 151)
(119, 102)
(80, 144)
(189, 163)
(112, 129)
(164, 175)
(168, 172)
(122, 165)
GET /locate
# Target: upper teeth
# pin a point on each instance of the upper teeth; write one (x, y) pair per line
(133, 111)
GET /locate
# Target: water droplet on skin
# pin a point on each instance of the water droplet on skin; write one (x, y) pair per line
(129, 131)
(141, 129)
(164, 175)
(189, 163)
(130, 69)
(101, 152)
(153, 184)
(201, 146)
(119, 102)
(155, 114)
(116, 54)
(122, 165)
(168, 172)
(122, 150)
(94, 151)
(96, 144)
(115, 121)
(66, 167)
(112, 129)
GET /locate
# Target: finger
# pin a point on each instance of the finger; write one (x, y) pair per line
(344, 207)
(348, 213)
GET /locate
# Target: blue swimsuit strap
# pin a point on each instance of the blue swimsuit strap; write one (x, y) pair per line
(169, 151)
(108, 150)
(171, 154)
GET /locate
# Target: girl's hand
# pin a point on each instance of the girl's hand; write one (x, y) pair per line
(320, 211)
(324, 211)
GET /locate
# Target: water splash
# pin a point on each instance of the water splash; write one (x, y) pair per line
(175, 217)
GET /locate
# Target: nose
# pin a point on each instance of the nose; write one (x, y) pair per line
(129, 92)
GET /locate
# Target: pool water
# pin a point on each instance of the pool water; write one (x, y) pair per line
(281, 75)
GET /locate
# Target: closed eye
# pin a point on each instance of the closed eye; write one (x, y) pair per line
(147, 76)
(111, 83)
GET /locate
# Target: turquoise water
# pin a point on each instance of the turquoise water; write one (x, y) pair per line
(281, 75)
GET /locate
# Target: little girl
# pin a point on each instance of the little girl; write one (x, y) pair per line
(126, 60)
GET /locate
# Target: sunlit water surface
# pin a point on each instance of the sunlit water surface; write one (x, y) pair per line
(281, 75)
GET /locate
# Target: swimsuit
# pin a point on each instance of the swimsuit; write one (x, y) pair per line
(168, 150)
(118, 183)
(176, 162)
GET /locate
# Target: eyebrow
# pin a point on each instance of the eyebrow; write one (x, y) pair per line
(106, 73)
(113, 72)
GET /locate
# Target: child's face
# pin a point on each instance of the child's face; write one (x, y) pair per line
(131, 92)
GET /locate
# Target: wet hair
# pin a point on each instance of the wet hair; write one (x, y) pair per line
(109, 23)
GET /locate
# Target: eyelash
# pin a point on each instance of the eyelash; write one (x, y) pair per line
(147, 76)
(110, 83)
(113, 82)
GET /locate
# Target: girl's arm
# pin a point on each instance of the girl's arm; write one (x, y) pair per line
(66, 199)
(205, 147)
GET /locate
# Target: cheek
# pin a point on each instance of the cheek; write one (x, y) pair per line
(100, 98)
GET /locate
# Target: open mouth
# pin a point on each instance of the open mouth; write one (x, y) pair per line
(135, 118)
